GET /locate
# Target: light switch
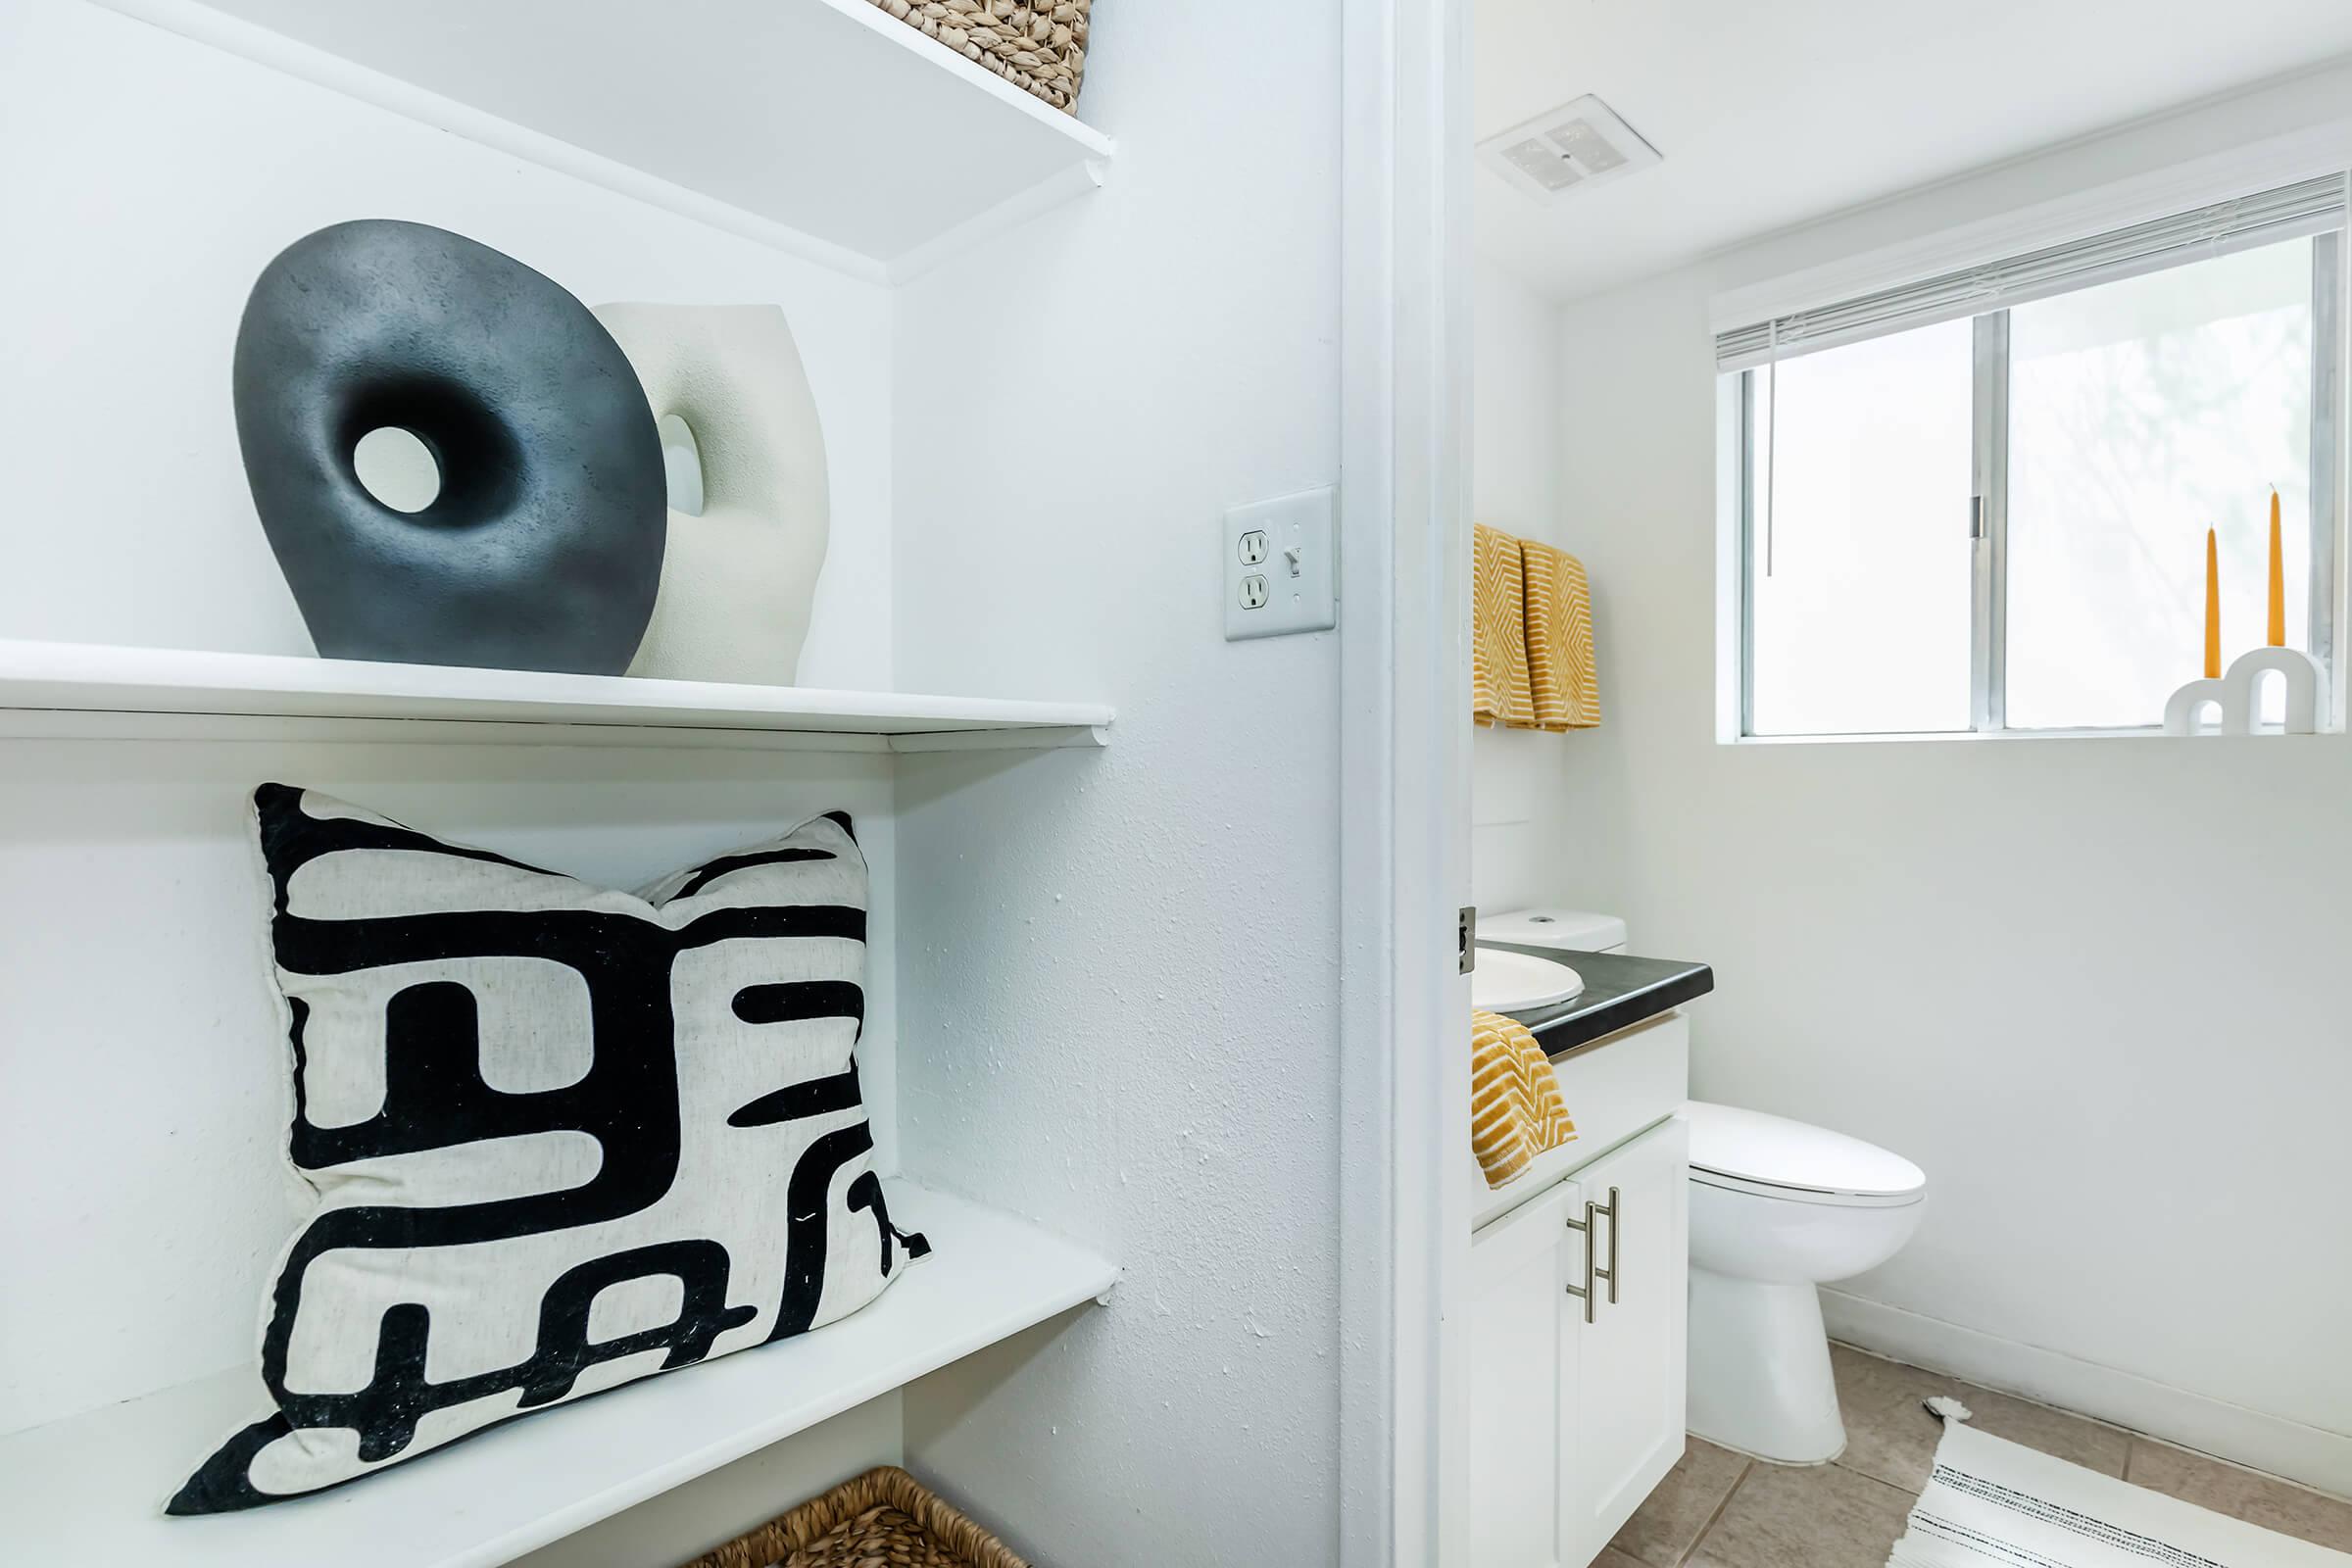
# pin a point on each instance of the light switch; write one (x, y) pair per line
(1282, 566)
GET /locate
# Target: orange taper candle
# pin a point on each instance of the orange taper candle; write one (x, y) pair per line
(2278, 579)
(2213, 607)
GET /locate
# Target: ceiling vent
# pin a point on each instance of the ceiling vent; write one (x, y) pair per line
(1571, 148)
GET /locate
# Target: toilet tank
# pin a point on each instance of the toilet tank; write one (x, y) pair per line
(1568, 930)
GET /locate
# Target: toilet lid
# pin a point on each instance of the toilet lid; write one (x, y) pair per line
(1749, 1149)
(1575, 930)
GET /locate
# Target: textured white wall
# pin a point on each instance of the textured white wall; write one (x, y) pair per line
(2090, 986)
(1519, 808)
(148, 179)
(1117, 980)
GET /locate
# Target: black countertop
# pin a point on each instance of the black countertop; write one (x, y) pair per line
(1619, 992)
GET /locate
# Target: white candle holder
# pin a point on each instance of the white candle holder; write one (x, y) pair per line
(2239, 701)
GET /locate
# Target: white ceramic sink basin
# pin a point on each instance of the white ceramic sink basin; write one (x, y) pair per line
(1513, 983)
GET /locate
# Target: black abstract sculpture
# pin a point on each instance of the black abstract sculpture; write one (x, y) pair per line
(542, 549)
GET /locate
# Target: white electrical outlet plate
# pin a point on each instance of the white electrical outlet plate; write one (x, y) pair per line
(1282, 566)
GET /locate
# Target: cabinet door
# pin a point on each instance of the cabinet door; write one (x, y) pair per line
(1627, 1416)
(1521, 1356)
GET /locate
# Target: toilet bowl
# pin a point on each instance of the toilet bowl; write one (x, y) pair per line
(1777, 1208)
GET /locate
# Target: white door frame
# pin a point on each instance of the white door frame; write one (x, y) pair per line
(1404, 698)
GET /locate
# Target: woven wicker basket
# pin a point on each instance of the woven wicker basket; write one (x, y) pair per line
(1037, 45)
(884, 1518)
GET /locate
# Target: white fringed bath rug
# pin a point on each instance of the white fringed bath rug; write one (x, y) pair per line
(1991, 1502)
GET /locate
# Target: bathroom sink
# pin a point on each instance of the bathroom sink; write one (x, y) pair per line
(1516, 982)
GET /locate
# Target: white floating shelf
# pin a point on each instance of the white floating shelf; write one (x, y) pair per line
(82, 689)
(829, 120)
(90, 1490)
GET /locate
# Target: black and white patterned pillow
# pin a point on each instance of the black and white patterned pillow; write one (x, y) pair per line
(562, 1138)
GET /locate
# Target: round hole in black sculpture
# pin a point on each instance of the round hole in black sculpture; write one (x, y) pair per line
(399, 469)
(540, 546)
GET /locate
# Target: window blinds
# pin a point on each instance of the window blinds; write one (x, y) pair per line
(2308, 207)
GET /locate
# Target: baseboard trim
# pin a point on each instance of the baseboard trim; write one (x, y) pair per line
(2312, 1456)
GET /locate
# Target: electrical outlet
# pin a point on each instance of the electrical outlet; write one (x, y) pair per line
(1282, 566)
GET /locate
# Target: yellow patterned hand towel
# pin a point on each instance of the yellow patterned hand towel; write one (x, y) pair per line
(1498, 683)
(1515, 1108)
(1565, 680)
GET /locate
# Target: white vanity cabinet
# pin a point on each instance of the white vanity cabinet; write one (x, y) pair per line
(1628, 1430)
(1576, 1321)
(1523, 1365)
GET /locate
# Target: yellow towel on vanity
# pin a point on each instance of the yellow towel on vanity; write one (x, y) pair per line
(1515, 1107)
(1561, 672)
(1498, 683)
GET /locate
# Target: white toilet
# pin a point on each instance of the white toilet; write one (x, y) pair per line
(1777, 1208)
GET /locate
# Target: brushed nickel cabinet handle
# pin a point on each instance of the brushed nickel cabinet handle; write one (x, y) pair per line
(1616, 1213)
(1584, 1294)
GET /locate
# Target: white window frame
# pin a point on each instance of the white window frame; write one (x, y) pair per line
(1743, 404)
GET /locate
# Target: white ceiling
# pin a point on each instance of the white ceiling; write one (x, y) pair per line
(1772, 112)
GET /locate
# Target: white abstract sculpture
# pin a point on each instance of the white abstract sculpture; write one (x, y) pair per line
(748, 502)
(2239, 698)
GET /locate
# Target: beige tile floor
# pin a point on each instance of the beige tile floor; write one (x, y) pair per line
(1720, 1511)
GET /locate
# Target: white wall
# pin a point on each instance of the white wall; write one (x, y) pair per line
(2092, 987)
(1520, 811)
(1120, 966)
